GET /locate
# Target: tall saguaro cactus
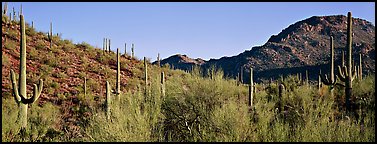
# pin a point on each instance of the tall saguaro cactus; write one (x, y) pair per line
(307, 78)
(109, 46)
(104, 45)
(251, 88)
(20, 91)
(162, 84)
(108, 100)
(332, 81)
(346, 74)
(118, 76)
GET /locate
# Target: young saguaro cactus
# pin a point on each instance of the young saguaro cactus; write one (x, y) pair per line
(162, 84)
(251, 88)
(20, 91)
(125, 49)
(108, 100)
(118, 76)
(281, 93)
(146, 76)
(109, 46)
(346, 74)
(104, 45)
(332, 81)
(132, 51)
(360, 68)
(158, 60)
(51, 34)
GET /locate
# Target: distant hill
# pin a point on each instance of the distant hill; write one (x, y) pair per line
(304, 45)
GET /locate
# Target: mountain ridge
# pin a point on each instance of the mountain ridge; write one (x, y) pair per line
(302, 44)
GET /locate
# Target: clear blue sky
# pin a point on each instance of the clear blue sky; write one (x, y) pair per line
(200, 30)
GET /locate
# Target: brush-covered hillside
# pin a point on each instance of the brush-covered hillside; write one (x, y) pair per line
(170, 106)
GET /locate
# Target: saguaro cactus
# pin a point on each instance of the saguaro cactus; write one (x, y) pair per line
(158, 60)
(360, 68)
(125, 49)
(5, 8)
(109, 47)
(251, 88)
(118, 76)
(132, 51)
(241, 75)
(343, 64)
(32, 24)
(50, 35)
(145, 76)
(104, 45)
(108, 100)
(347, 74)
(281, 93)
(332, 81)
(162, 84)
(20, 91)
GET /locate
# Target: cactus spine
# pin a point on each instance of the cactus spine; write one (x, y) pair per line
(330, 82)
(108, 100)
(20, 91)
(132, 51)
(251, 89)
(162, 84)
(347, 74)
(118, 76)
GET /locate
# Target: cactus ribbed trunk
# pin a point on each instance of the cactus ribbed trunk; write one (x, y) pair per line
(251, 89)
(162, 84)
(22, 79)
(108, 100)
(348, 90)
(118, 76)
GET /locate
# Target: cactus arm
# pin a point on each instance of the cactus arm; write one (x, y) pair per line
(354, 73)
(15, 88)
(341, 74)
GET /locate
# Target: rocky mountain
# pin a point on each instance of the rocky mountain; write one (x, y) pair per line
(304, 45)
